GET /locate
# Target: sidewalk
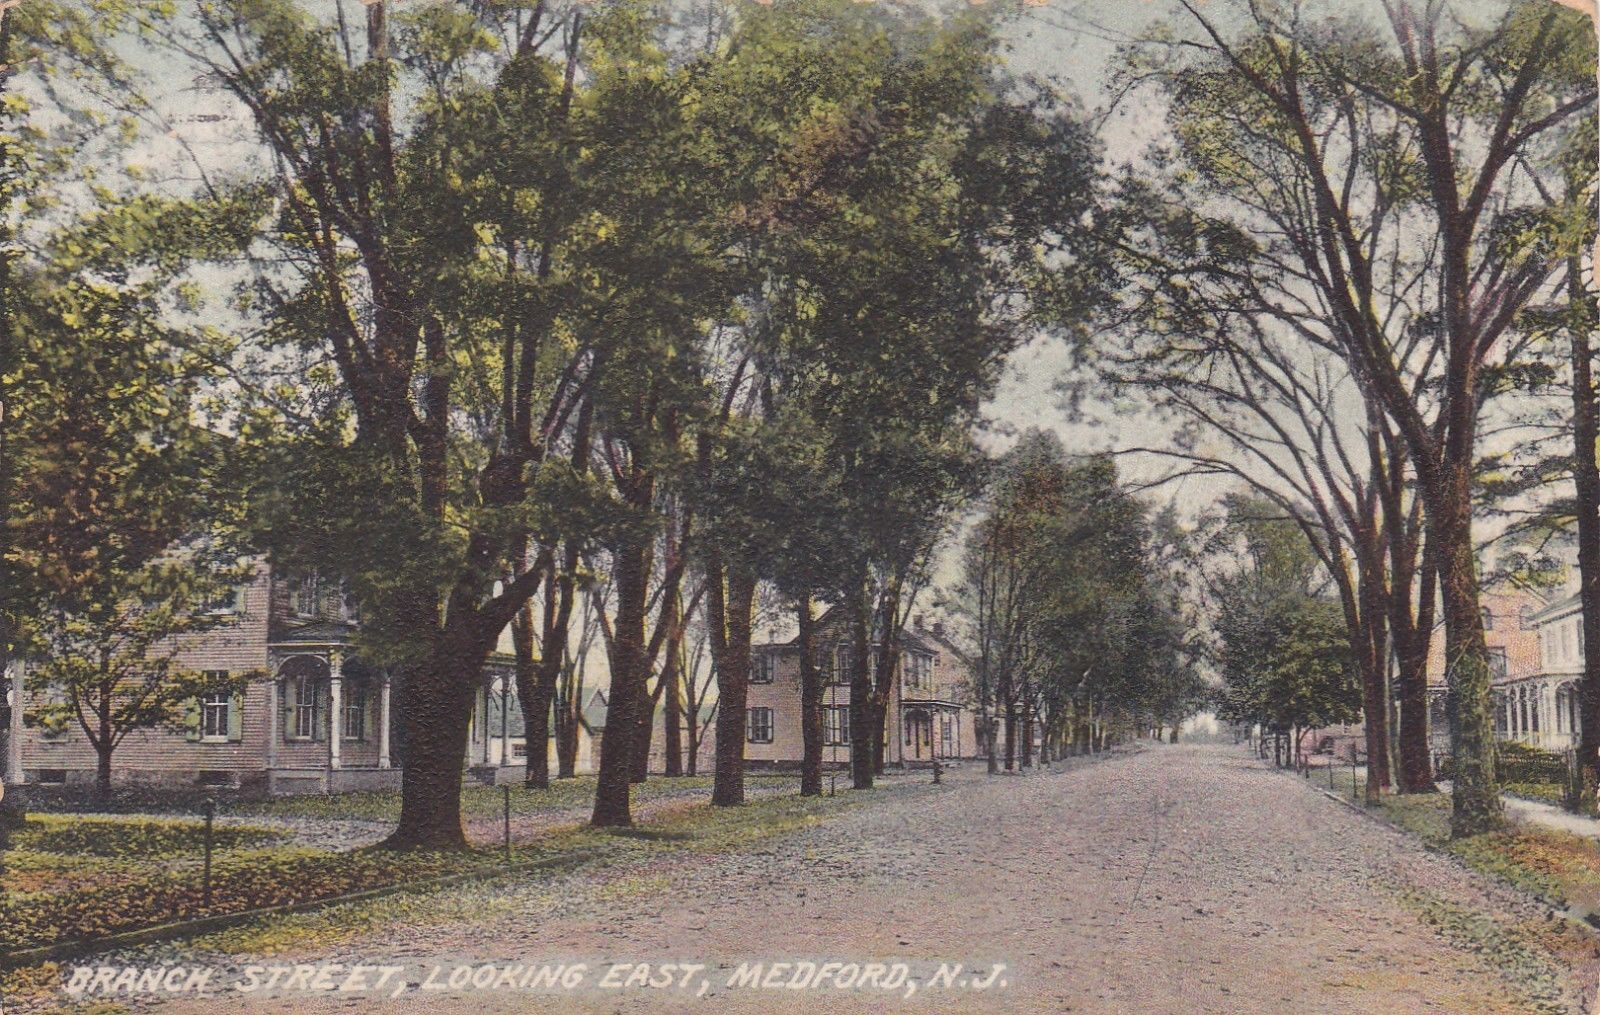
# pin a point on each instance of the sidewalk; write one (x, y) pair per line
(1533, 812)
(1518, 809)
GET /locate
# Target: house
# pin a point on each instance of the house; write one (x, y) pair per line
(592, 727)
(929, 715)
(1538, 704)
(1511, 628)
(319, 720)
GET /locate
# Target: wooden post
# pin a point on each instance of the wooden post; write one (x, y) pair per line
(211, 817)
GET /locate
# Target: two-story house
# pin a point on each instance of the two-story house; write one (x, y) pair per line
(1540, 705)
(319, 719)
(928, 716)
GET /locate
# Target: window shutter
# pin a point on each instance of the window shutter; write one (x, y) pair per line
(318, 696)
(236, 717)
(287, 720)
(191, 719)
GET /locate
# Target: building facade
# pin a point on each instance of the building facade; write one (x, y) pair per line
(929, 718)
(314, 717)
(1538, 703)
(1511, 621)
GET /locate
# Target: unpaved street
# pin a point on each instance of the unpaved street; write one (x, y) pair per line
(1178, 879)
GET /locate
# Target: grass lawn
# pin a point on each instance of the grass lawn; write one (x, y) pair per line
(480, 801)
(75, 878)
(1558, 867)
(694, 830)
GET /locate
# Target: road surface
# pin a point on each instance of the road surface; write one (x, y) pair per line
(1176, 879)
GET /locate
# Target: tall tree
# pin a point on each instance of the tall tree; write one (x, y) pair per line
(1381, 174)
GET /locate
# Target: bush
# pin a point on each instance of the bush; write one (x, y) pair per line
(1520, 763)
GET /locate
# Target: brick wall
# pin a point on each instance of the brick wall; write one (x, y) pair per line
(238, 646)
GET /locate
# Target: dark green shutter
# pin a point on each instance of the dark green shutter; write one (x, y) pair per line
(288, 710)
(319, 693)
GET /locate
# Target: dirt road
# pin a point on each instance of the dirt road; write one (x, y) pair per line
(1178, 879)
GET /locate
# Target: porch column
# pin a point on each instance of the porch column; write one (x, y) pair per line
(274, 717)
(1547, 709)
(14, 691)
(335, 705)
(383, 723)
(505, 720)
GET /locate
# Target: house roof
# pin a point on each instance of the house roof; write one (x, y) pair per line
(909, 637)
(593, 713)
(1564, 605)
(318, 632)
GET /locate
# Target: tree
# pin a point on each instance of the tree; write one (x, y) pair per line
(1387, 181)
(450, 268)
(1284, 653)
(59, 52)
(116, 510)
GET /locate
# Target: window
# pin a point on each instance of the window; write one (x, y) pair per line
(214, 715)
(1497, 663)
(836, 725)
(351, 608)
(844, 665)
(520, 749)
(303, 709)
(230, 601)
(765, 668)
(218, 719)
(918, 669)
(1488, 619)
(758, 725)
(303, 596)
(355, 711)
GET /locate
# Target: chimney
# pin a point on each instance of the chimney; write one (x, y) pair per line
(938, 629)
(917, 622)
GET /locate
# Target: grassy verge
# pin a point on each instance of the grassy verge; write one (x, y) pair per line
(479, 801)
(621, 863)
(1560, 868)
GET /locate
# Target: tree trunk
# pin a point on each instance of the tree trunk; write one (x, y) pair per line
(862, 757)
(1027, 735)
(730, 614)
(1373, 664)
(1475, 796)
(613, 801)
(534, 699)
(102, 769)
(672, 712)
(811, 693)
(436, 708)
(1586, 479)
(1011, 736)
(644, 732)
